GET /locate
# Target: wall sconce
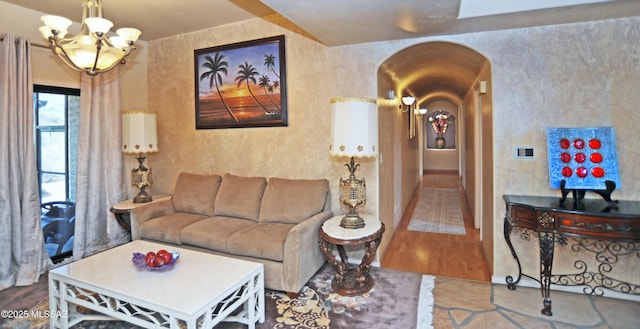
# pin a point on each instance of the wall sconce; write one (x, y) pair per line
(407, 100)
(420, 112)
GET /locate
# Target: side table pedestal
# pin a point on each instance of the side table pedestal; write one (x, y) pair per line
(350, 280)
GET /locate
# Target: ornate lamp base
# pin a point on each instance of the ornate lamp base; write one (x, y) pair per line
(142, 197)
(141, 178)
(352, 220)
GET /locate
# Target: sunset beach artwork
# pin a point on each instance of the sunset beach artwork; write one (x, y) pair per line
(241, 85)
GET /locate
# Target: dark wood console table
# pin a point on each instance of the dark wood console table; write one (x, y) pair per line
(606, 229)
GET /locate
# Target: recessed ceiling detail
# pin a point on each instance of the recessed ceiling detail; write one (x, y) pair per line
(475, 8)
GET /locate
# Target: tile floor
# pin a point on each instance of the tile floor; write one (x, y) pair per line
(465, 304)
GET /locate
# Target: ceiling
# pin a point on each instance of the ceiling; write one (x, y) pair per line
(342, 22)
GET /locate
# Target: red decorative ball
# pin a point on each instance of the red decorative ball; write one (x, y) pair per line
(597, 172)
(578, 143)
(565, 157)
(595, 143)
(565, 143)
(582, 172)
(596, 157)
(580, 157)
(567, 172)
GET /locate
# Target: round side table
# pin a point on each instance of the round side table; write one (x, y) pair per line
(351, 280)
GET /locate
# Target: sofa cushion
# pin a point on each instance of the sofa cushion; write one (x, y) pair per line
(260, 240)
(167, 228)
(212, 233)
(240, 196)
(196, 194)
(292, 201)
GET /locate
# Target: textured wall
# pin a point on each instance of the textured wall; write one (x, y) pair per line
(315, 74)
(578, 75)
(569, 75)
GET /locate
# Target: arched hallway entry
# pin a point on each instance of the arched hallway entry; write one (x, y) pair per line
(436, 73)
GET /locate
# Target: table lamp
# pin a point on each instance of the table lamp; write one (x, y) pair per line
(354, 133)
(139, 137)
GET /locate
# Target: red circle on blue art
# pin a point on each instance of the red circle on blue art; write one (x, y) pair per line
(596, 157)
(578, 143)
(565, 157)
(595, 143)
(580, 157)
(597, 172)
(567, 172)
(582, 172)
(565, 143)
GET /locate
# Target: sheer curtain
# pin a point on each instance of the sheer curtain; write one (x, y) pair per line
(101, 179)
(23, 257)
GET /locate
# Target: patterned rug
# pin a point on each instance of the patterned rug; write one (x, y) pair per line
(398, 300)
(438, 210)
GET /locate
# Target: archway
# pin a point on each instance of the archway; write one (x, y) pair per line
(437, 72)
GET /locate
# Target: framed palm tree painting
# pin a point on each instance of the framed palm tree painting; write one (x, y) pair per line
(241, 85)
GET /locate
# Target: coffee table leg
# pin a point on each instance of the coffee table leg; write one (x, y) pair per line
(260, 294)
(56, 299)
(251, 305)
(254, 306)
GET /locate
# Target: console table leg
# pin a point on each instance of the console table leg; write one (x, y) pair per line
(511, 284)
(547, 244)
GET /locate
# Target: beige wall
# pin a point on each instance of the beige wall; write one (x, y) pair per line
(541, 77)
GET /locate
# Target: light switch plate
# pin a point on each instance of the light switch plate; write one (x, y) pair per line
(523, 152)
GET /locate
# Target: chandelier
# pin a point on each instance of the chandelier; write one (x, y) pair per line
(91, 50)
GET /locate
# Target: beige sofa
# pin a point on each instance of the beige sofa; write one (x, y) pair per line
(274, 222)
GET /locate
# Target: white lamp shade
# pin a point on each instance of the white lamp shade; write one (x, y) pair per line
(354, 127)
(139, 133)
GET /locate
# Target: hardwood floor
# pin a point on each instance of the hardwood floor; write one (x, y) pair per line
(458, 256)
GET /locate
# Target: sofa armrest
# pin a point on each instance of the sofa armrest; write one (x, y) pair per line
(143, 213)
(302, 256)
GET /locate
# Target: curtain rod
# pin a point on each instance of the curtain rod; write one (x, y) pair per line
(32, 44)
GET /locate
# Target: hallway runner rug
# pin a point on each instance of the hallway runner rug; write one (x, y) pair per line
(438, 210)
(398, 299)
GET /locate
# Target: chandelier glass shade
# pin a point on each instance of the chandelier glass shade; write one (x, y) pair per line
(92, 50)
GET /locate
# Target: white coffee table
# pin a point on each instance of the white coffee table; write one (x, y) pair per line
(200, 291)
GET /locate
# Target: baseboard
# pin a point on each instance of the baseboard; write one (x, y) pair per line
(529, 283)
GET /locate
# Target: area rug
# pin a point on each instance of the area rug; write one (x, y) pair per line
(398, 300)
(438, 210)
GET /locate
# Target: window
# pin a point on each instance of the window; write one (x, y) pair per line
(57, 112)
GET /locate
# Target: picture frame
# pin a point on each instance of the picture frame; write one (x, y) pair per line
(241, 85)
